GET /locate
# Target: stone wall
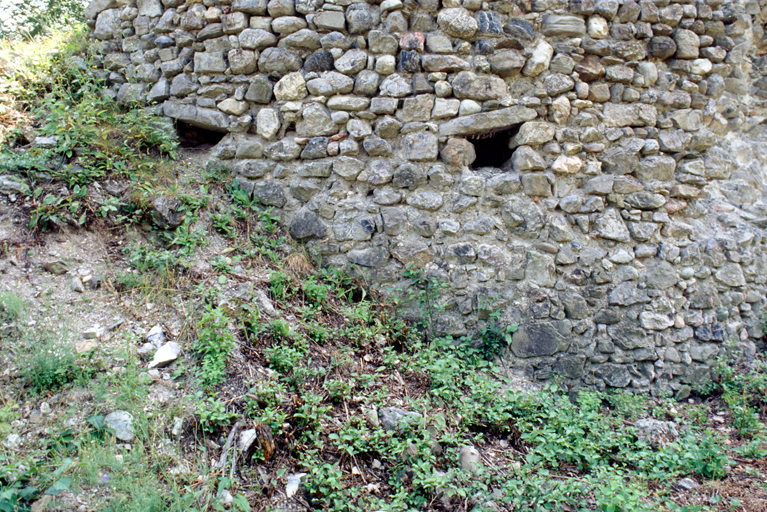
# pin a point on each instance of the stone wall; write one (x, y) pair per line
(615, 208)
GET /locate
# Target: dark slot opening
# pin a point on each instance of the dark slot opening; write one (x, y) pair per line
(492, 148)
(190, 136)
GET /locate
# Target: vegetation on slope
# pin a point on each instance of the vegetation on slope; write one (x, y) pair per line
(307, 358)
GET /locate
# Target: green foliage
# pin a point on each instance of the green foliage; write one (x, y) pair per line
(106, 137)
(495, 339)
(213, 345)
(27, 163)
(143, 258)
(315, 291)
(15, 494)
(263, 401)
(424, 291)
(223, 264)
(52, 364)
(354, 437)
(695, 452)
(318, 332)
(95, 136)
(224, 223)
(627, 405)
(754, 449)
(309, 416)
(11, 307)
(341, 283)
(59, 209)
(31, 18)
(177, 247)
(339, 389)
(323, 483)
(284, 357)
(578, 434)
(281, 285)
(186, 237)
(744, 392)
(266, 393)
(269, 223)
(281, 329)
(212, 414)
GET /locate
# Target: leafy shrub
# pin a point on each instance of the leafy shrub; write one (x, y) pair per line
(106, 137)
(284, 358)
(213, 345)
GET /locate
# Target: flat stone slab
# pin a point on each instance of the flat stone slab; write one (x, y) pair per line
(485, 121)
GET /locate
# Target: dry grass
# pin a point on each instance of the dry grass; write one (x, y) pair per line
(298, 264)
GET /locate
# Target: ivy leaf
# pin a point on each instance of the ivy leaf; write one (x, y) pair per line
(62, 484)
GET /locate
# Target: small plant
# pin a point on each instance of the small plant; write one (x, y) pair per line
(754, 449)
(212, 414)
(281, 329)
(353, 438)
(240, 197)
(425, 292)
(308, 417)
(223, 264)
(266, 393)
(8, 413)
(213, 345)
(269, 222)
(614, 493)
(696, 452)
(315, 292)
(272, 417)
(266, 246)
(627, 405)
(495, 339)
(323, 482)
(185, 238)
(11, 307)
(744, 392)
(281, 285)
(59, 208)
(339, 389)
(225, 224)
(283, 358)
(54, 364)
(318, 333)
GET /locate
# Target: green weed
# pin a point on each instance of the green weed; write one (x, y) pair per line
(744, 392)
(424, 291)
(315, 291)
(11, 307)
(212, 414)
(281, 285)
(51, 364)
(213, 345)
